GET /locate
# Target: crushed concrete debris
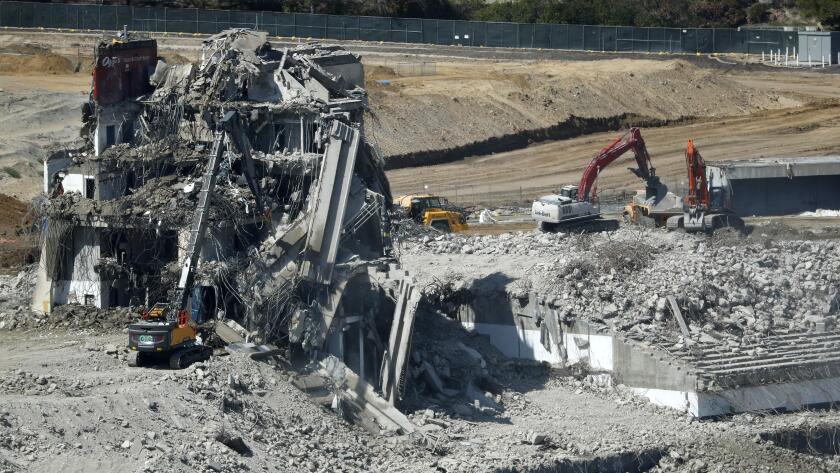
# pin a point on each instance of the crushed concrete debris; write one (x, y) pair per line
(623, 279)
(821, 213)
(230, 414)
(458, 373)
(15, 291)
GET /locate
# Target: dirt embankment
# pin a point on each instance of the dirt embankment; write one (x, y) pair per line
(17, 246)
(520, 175)
(457, 105)
(27, 59)
(569, 128)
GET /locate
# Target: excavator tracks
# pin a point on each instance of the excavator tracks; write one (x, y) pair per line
(586, 226)
(178, 359)
(185, 356)
(139, 358)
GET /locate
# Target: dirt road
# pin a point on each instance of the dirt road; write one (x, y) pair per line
(523, 174)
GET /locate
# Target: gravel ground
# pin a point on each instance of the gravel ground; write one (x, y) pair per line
(69, 402)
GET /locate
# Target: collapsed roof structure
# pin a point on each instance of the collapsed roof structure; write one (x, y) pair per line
(298, 247)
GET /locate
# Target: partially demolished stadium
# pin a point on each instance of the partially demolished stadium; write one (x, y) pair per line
(266, 150)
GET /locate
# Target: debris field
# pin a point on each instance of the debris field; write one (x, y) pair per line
(244, 192)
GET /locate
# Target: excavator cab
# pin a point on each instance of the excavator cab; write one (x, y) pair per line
(705, 207)
(717, 198)
(569, 192)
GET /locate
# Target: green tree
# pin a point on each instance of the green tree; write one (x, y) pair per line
(618, 12)
(719, 13)
(671, 13)
(758, 13)
(827, 12)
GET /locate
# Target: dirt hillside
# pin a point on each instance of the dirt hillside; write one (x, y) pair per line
(23, 60)
(520, 175)
(16, 246)
(468, 101)
(437, 102)
(38, 111)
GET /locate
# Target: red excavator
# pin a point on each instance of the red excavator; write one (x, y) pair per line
(705, 208)
(576, 207)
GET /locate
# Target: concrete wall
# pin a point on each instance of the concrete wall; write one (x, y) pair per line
(533, 332)
(780, 196)
(121, 118)
(802, 394)
(105, 186)
(77, 182)
(593, 349)
(517, 342)
(638, 368)
(79, 279)
(52, 166)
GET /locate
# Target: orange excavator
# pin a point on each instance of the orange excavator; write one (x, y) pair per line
(705, 207)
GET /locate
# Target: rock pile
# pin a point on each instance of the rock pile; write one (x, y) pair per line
(69, 317)
(531, 243)
(260, 414)
(15, 298)
(33, 384)
(454, 370)
(724, 287)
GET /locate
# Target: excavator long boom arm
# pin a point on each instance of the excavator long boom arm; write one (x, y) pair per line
(632, 140)
(698, 186)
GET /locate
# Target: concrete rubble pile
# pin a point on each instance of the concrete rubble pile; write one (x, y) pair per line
(710, 326)
(725, 290)
(306, 438)
(298, 250)
(15, 291)
(231, 415)
(454, 370)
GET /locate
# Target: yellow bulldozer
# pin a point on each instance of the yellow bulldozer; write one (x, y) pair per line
(433, 211)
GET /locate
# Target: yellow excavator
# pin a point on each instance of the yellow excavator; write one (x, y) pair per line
(167, 331)
(159, 336)
(433, 211)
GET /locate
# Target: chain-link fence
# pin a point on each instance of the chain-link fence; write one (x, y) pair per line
(400, 30)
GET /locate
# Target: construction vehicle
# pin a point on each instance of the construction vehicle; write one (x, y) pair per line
(167, 331)
(653, 205)
(652, 209)
(576, 208)
(433, 211)
(159, 337)
(706, 207)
